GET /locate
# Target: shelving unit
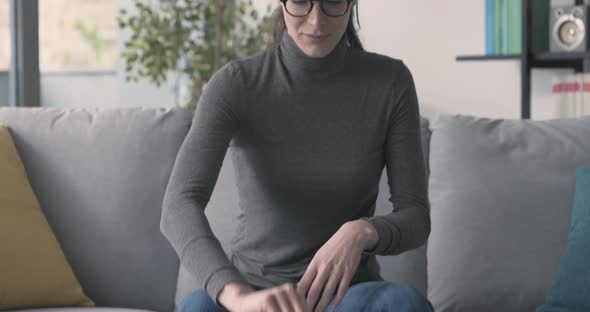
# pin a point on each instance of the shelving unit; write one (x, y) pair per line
(488, 57)
(580, 62)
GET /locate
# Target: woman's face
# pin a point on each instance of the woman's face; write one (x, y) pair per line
(316, 33)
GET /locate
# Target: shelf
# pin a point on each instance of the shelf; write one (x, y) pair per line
(574, 60)
(562, 56)
(488, 57)
(542, 56)
(528, 59)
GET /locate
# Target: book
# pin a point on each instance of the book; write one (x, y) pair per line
(489, 27)
(498, 26)
(505, 29)
(571, 95)
(563, 91)
(509, 26)
(515, 27)
(578, 95)
(584, 105)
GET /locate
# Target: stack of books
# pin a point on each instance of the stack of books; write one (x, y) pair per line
(571, 95)
(503, 27)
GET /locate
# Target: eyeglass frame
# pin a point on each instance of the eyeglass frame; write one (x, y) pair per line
(321, 7)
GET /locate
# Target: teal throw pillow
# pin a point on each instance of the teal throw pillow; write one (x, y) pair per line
(570, 291)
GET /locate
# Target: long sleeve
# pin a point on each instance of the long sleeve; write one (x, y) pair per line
(408, 226)
(193, 179)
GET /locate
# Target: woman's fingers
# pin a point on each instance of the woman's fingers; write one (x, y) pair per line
(328, 291)
(305, 283)
(297, 301)
(289, 300)
(271, 304)
(316, 287)
(284, 300)
(342, 288)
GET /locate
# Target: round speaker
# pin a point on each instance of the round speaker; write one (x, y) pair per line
(569, 30)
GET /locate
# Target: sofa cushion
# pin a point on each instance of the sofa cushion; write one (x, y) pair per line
(100, 175)
(34, 271)
(571, 288)
(222, 212)
(501, 198)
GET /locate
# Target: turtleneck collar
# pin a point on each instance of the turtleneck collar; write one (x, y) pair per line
(297, 61)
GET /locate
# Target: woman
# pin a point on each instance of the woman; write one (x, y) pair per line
(311, 122)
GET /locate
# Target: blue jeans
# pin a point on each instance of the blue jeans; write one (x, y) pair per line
(365, 296)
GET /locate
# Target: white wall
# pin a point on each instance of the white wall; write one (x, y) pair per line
(427, 35)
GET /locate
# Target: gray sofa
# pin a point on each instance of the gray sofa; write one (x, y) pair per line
(500, 192)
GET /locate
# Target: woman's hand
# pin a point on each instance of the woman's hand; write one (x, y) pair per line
(335, 263)
(283, 298)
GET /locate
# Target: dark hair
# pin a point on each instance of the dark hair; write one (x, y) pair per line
(279, 27)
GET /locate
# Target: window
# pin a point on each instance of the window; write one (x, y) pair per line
(77, 34)
(4, 51)
(78, 52)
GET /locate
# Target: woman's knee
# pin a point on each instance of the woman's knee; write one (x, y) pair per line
(400, 297)
(197, 301)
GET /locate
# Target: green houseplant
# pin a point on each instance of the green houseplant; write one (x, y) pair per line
(192, 38)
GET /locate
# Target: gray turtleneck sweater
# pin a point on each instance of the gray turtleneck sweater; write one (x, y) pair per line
(309, 138)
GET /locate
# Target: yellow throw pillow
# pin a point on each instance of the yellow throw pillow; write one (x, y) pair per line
(33, 269)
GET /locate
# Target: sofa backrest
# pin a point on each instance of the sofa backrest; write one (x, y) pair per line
(100, 177)
(501, 194)
(222, 212)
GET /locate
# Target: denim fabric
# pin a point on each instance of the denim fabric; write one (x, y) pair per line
(366, 296)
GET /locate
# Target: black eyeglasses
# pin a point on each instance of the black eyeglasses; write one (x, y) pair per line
(332, 8)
